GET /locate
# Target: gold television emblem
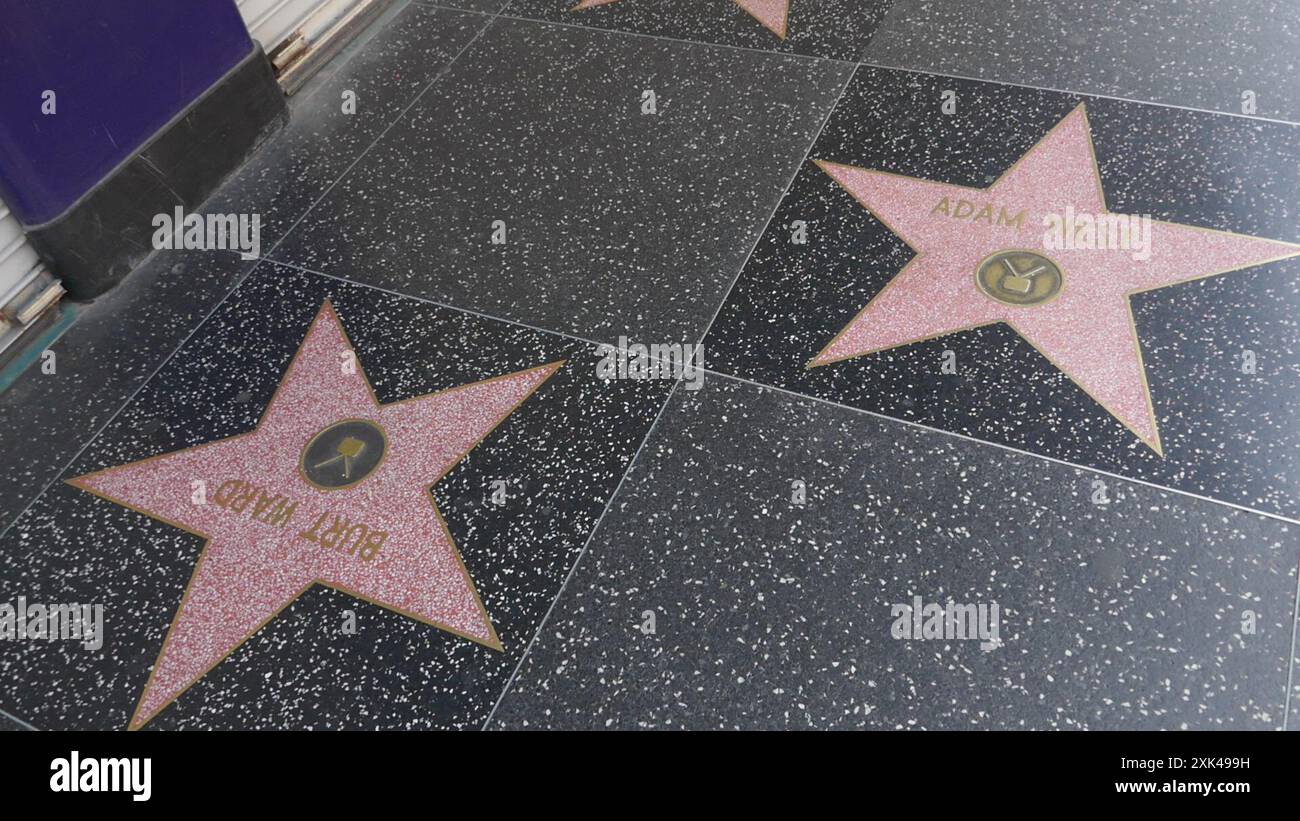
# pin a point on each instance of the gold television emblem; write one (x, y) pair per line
(1017, 277)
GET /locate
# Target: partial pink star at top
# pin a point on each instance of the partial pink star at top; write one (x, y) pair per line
(1087, 330)
(773, 14)
(250, 570)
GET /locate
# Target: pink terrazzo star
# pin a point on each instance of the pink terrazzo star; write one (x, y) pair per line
(263, 553)
(1086, 329)
(771, 13)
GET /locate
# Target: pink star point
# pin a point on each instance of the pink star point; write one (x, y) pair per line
(258, 559)
(773, 14)
(1087, 330)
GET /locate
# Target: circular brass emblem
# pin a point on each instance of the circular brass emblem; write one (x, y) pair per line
(1018, 277)
(343, 454)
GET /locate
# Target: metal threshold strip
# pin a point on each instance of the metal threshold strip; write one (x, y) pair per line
(26, 308)
(28, 291)
(321, 37)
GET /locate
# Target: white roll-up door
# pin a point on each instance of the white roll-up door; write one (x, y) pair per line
(17, 256)
(299, 36)
(26, 288)
(271, 22)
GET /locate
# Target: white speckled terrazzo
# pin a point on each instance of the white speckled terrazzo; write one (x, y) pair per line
(261, 638)
(737, 552)
(1224, 431)
(770, 614)
(1198, 53)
